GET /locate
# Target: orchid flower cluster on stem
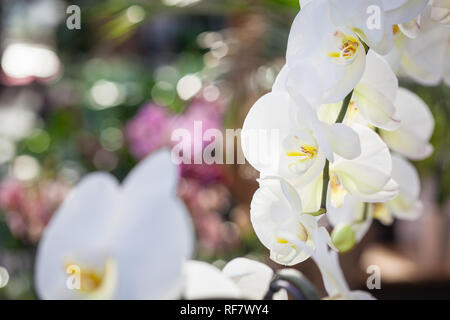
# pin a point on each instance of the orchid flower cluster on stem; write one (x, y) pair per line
(344, 129)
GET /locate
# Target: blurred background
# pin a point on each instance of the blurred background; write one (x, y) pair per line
(104, 96)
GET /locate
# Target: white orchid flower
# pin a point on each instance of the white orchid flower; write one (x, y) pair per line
(125, 242)
(368, 177)
(324, 61)
(411, 139)
(406, 206)
(373, 98)
(328, 263)
(277, 216)
(424, 58)
(252, 277)
(241, 278)
(374, 21)
(281, 138)
(402, 16)
(204, 281)
(367, 18)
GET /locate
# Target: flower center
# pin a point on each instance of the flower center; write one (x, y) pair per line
(395, 29)
(300, 153)
(305, 152)
(286, 249)
(94, 283)
(346, 47)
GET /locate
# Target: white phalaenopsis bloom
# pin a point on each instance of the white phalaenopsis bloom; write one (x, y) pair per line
(373, 98)
(253, 278)
(278, 216)
(358, 216)
(280, 138)
(411, 139)
(406, 205)
(292, 236)
(324, 60)
(374, 21)
(424, 58)
(109, 241)
(203, 280)
(368, 177)
(241, 278)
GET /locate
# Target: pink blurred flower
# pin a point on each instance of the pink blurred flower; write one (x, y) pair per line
(148, 130)
(29, 206)
(210, 115)
(152, 128)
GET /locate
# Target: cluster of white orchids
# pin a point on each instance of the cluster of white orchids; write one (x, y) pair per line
(332, 159)
(332, 140)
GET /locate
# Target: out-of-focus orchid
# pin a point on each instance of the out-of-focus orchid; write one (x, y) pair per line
(123, 242)
(252, 278)
(411, 139)
(406, 205)
(424, 58)
(240, 278)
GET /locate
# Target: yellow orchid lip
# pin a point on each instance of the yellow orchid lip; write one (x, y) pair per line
(306, 151)
(299, 152)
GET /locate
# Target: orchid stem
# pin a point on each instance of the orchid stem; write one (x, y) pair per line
(344, 108)
(326, 171)
(326, 179)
